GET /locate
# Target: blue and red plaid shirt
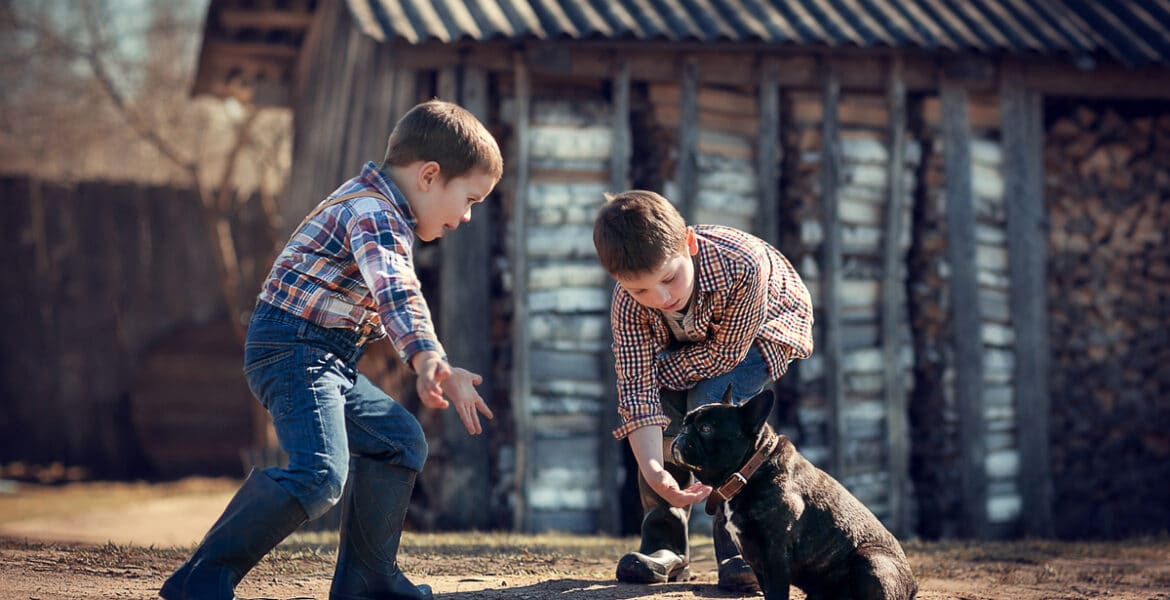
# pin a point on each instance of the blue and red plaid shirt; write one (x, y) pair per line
(353, 263)
(747, 293)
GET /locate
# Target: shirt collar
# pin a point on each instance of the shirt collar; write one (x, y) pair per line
(710, 272)
(375, 178)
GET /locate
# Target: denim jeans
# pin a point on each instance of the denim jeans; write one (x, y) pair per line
(323, 410)
(747, 379)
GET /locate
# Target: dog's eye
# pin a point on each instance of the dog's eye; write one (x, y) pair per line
(706, 428)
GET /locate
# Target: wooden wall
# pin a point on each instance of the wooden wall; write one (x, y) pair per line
(892, 185)
(853, 390)
(116, 336)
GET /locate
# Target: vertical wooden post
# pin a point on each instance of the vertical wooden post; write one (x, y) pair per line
(966, 327)
(465, 281)
(768, 153)
(447, 84)
(610, 518)
(688, 140)
(892, 309)
(310, 178)
(519, 248)
(831, 266)
(1023, 144)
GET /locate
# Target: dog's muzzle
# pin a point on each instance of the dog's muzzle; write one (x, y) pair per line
(676, 452)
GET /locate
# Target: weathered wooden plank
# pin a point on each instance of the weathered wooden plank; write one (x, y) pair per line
(465, 272)
(610, 450)
(768, 153)
(892, 308)
(687, 173)
(316, 110)
(1023, 144)
(831, 265)
(712, 100)
(521, 382)
(966, 326)
(232, 18)
(354, 150)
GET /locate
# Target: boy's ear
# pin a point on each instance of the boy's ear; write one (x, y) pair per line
(428, 175)
(692, 242)
(755, 412)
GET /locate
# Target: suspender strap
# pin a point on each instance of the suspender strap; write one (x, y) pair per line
(338, 200)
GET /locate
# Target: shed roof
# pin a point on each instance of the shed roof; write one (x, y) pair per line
(252, 51)
(1133, 32)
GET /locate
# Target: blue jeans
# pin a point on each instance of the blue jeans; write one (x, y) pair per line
(747, 379)
(323, 410)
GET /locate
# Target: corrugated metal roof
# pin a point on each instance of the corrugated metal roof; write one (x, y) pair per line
(1134, 32)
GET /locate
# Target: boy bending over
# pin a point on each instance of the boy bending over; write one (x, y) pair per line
(695, 310)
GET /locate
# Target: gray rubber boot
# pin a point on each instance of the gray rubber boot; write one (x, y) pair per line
(371, 528)
(259, 516)
(662, 555)
(735, 574)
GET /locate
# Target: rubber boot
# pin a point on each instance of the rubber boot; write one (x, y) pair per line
(662, 555)
(371, 527)
(257, 518)
(735, 574)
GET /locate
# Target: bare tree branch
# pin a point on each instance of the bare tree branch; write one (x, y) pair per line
(102, 76)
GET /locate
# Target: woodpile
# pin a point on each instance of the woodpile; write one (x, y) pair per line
(728, 189)
(1108, 193)
(936, 462)
(566, 293)
(862, 190)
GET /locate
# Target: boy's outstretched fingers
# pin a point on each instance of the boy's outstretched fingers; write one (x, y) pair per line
(698, 491)
(468, 403)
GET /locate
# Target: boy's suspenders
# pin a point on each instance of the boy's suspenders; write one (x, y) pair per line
(338, 200)
(368, 327)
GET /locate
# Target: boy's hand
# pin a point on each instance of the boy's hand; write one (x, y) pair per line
(647, 444)
(468, 403)
(436, 379)
(665, 485)
(431, 370)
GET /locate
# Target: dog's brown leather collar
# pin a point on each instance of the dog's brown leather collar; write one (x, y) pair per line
(738, 479)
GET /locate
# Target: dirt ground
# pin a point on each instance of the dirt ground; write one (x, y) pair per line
(121, 541)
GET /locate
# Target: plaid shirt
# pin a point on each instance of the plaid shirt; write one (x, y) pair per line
(353, 263)
(747, 293)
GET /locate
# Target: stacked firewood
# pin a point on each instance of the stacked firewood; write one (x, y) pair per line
(862, 193)
(937, 463)
(727, 130)
(1108, 196)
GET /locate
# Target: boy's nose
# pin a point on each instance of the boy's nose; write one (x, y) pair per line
(466, 216)
(663, 296)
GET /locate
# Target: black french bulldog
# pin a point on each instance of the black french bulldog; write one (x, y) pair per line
(793, 522)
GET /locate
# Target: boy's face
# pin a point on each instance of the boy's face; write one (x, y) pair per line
(669, 286)
(443, 204)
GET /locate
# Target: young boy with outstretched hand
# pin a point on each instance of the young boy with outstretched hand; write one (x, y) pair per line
(695, 310)
(347, 277)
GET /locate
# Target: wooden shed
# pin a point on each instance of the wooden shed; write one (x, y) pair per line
(900, 153)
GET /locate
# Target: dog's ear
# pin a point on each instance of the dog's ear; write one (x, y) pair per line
(727, 398)
(754, 412)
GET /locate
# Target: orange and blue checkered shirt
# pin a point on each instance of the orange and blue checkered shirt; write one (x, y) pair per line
(353, 263)
(747, 293)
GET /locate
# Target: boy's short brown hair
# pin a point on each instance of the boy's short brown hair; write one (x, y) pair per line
(636, 231)
(448, 134)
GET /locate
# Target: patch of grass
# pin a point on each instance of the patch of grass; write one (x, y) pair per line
(33, 500)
